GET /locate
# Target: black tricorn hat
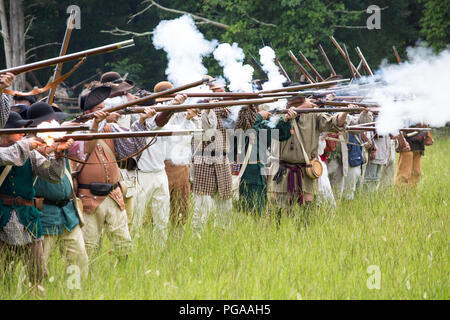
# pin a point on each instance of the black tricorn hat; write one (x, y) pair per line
(118, 85)
(93, 97)
(16, 121)
(42, 111)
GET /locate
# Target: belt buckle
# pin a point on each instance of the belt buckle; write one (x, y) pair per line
(18, 201)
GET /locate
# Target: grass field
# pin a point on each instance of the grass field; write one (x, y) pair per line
(404, 235)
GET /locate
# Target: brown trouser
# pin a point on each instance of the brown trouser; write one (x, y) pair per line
(408, 170)
(31, 254)
(180, 189)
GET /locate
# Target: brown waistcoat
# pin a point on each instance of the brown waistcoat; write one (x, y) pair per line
(102, 168)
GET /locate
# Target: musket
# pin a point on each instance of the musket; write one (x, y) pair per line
(349, 63)
(88, 116)
(85, 80)
(336, 44)
(362, 128)
(310, 66)
(364, 62)
(318, 110)
(202, 106)
(345, 103)
(280, 67)
(39, 130)
(68, 57)
(307, 86)
(327, 61)
(396, 55)
(301, 68)
(65, 44)
(127, 134)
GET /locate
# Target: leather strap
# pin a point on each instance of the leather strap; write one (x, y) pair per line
(4, 174)
(299, 137)
(15, 201)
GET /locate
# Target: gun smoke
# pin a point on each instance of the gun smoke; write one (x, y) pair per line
(275, 78)
(414, 91)
(185, 46)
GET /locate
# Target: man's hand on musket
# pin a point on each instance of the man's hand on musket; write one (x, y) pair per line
(148, 113)
(191, 113)
(113, 117)
(34, 143)
(6, 80)
(179, 98)
(291, 114)
(265, 114)
(342, 117)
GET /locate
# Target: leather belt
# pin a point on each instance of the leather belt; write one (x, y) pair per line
(15, 201)
(88, 186)
(59, 203)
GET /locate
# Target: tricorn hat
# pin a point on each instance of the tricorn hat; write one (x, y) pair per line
(16, 121)
(42, 111)
(119, 86)
(93, 97)
(162, 86)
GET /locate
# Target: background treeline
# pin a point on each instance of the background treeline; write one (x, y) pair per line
(286, 25)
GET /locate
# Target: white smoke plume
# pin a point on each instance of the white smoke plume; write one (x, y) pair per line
(415, 91)
(275, 78)
(185, 46)
(231, 58)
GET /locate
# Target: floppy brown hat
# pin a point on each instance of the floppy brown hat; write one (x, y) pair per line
(119, 86)
(162, 86)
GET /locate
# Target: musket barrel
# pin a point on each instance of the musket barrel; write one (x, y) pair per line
(310, 66)
(301, 68)
(319, 110)
(327, 61)
(128, 134)
(39, 130)
(88, 116)
(203, 106)
(68, 57)
(362, 128)
(336, 44)
(307, 86)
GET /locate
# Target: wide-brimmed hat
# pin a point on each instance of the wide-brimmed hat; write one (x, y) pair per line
(119, 86)
(94, 96)
(16, 121)
(162, 86)
(42, 111)
(216, 85)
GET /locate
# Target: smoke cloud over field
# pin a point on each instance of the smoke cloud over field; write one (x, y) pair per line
(231, 58)
(185, 46)
(276, 79)
(415, 91)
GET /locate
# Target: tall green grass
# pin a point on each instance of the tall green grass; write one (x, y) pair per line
(404, 234)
